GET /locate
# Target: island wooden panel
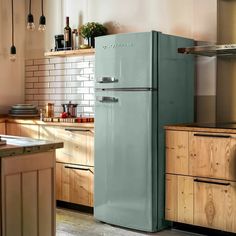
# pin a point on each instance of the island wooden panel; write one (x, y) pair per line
(28, 194)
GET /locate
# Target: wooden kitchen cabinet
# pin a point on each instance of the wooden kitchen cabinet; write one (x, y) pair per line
(2, 128)
(201, 177)
(24, 130)
(75, 184)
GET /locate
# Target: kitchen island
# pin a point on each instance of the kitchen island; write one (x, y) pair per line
(27, 195)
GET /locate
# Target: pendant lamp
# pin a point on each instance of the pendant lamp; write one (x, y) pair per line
(30, 19)
(42, 20)
(13, 48)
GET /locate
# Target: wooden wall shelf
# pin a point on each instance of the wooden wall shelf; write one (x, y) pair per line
(67, 53)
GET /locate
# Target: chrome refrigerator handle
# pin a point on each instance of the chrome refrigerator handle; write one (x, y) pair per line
(107, 80)
(107, 99)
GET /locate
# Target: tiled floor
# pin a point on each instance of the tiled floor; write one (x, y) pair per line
(73, 223)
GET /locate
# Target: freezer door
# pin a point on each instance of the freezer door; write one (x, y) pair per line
(123, 159)
(124, 60)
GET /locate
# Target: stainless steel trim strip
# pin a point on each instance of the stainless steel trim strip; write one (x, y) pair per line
(107, 99)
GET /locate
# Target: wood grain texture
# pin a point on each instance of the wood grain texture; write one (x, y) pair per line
(177, 152)
(2, 128)
(214, 205)
(212, 157)
(23, 130)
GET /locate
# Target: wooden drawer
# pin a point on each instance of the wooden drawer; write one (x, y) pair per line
(75, 184)
(212, 155)
(177, 152)
(78, 145)
(214, 204)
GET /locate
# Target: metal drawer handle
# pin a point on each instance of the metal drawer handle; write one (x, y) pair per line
(76, 129)
(210, 182)
(107, 80)
(107, 99)
(212, 135)
(78, 168)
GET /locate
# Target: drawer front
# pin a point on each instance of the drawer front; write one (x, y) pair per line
(212, 155)
(78, 145)
(214, 204)
(75, 183)
(177, 152)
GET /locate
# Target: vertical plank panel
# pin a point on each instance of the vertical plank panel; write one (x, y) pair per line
(45, 203)
(185, 199)
(59, 167)
(171, 208)
(29, 201)
(13, 205)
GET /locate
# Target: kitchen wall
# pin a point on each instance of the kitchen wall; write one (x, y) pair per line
(189, 18)
(12, 74)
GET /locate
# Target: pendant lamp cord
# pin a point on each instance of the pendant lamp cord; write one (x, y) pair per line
(42, 7)
(30, 7)
(12, 23)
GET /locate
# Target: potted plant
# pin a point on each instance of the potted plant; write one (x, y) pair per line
(91, 30)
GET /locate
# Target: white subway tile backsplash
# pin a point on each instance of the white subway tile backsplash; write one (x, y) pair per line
(88, 71)
(31, 91)
(57, 72)
(41, 85)
(29, 73)
(41, 61)
(60, 80)
(57, 60)
(31, 79)
(74, 71)
(62, 66)
(88, 83)
(82, 64)
(75, 59)
(41, 73)
(31, 68)
(58, 84)
(46, 67)
(79, 78)
(74, 85)
(29, 62)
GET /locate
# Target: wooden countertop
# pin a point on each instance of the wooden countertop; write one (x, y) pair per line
(21, 145)
(39, 122)
(205, 127)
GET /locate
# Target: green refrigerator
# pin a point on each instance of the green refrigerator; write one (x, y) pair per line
(141, 84)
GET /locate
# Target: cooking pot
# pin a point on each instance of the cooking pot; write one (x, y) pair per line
(70, 109)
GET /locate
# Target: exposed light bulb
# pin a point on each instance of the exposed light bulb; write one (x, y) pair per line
(42, 23)
(13, 53)
(30, 24)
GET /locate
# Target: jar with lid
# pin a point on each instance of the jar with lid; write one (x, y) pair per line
(50, 110)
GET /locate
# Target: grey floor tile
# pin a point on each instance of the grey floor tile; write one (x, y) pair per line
(74, 223)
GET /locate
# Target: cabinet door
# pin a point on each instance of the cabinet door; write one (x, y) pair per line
(74, 184)
(177, 152)
(24, 130)
(76, 143)
(179, 198)
(47, 132)
(214, 204)
(212, 155)
(2, 128)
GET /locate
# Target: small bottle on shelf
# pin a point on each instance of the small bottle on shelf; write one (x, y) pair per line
(67, 35)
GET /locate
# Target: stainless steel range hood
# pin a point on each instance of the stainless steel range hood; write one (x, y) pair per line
(211, 50)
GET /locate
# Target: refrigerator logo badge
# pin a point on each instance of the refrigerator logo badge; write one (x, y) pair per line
(118, 45)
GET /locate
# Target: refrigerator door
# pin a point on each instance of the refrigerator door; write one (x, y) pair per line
(124, 168)
(125, 61)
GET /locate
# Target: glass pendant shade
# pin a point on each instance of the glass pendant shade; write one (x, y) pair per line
(42, 23)
(13, 53)
(30, 24)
